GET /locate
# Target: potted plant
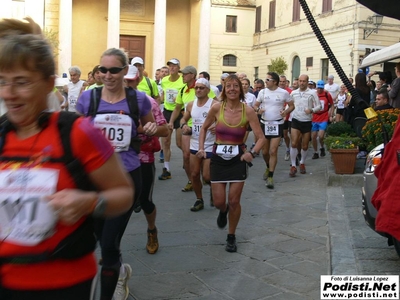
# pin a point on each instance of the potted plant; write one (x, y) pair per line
(342, 143)
(372, 130)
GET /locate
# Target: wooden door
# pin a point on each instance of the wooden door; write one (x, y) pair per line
(133, 45)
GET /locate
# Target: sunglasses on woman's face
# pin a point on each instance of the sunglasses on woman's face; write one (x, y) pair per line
(113, 70)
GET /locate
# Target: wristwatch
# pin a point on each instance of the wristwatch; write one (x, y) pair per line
(100, 207)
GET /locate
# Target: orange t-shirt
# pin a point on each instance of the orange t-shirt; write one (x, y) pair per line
(93, 150)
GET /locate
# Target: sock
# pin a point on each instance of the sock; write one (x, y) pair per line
(166, 165)
(287, 149)
(271, 174)
(303, 156)
(293, 154)
(108, 279)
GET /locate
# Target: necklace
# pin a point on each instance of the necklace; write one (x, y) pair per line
(232, 109)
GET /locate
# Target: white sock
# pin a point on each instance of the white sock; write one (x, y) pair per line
(166, 165)
(293, 154)
(303, 156)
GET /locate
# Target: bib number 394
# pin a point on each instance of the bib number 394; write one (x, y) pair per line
(271, 128)
(227, 152)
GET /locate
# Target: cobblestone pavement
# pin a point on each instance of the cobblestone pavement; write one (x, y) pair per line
(287, 237)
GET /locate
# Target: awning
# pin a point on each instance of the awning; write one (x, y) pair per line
(383, 55)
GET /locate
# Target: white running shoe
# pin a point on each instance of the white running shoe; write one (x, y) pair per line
(287, 155)
(122, 289)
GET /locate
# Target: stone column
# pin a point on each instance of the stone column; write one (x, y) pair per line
(160, 23)
(114, 11)
(204, 36)
(65, 36)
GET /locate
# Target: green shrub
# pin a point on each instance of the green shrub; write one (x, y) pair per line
(340, 129)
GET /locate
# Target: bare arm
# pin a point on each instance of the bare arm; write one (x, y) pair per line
(211, 117)
(114, 185)
(174, 115)
(186, 117)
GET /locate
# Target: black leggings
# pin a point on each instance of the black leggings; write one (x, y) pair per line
(79, 291)
(109, 233)
(146, 197)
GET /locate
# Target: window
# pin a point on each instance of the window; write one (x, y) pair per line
(309, 62)
(272, 6)
(296, 11)
(326, 6)
(258, 19)
(256, 72)
(229, 60)
(324, 67)
(231, 23)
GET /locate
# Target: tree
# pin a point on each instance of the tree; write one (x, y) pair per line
(52, 38)
(278, 65)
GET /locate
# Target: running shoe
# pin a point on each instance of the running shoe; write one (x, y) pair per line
(265, 175)
(198, 205)
(122, 289)
(136, 206)
(302, 169)
(165, 175)
(222, 219)
(287, 155)
(231, 243)
(188, 187)
(322, 152)
(270, 183)
(293, 171)
(315, 155)
(152, 241)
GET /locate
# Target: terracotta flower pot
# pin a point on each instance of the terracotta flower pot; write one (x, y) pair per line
(344, 160)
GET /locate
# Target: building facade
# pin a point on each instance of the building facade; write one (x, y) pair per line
(213, 35)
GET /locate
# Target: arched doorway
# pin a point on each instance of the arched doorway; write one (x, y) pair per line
(295, 67)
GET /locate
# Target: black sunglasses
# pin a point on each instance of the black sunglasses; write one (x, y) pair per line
(113, 70)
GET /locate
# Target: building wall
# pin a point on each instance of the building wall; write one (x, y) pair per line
(224, 43)
(342, 29)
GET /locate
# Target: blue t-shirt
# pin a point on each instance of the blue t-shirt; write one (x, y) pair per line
(129, 158)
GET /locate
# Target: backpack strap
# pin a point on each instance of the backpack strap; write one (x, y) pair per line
(131, 98)
(94, 101)
(150, 86)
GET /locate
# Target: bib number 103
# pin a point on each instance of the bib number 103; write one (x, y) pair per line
(113, 134)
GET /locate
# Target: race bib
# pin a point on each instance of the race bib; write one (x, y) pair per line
(322, 105)
(171, 95)
(340, 105)
(271, 128)
(196, 127)
(72, 103)
(117, 128)
(26, 218)
(227, 152)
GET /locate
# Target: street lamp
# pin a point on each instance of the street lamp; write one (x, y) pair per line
(375, 20)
